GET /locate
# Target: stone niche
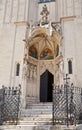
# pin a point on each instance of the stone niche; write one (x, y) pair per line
(31, 77)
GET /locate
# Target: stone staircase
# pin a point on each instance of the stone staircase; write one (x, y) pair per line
(31, 100)
(37, 116)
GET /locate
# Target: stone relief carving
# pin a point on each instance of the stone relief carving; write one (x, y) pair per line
(32, 71)
(33, 60)
(46, 65)
(29, 70)
(25, 67)
(59, 73)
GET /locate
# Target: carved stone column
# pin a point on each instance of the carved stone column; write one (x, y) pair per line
(61, 72)
(24, 84)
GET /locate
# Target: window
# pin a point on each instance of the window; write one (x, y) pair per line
(70, 67)
(33, 52)
(17, 69)
(46, 0)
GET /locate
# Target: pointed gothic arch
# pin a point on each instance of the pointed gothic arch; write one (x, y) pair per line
(46, 86)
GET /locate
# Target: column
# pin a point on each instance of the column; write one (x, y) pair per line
(24, 84)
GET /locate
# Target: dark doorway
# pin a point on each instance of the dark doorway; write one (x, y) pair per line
(46, 81)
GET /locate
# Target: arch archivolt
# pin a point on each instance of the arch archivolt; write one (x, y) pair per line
(46, 65)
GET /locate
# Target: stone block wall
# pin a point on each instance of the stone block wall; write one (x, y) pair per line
(72, 48)
(63, 8)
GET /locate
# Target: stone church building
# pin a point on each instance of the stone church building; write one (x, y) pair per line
(40, 42)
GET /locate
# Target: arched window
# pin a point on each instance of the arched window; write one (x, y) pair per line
(70, 67)
(17, 69)
(33, 52)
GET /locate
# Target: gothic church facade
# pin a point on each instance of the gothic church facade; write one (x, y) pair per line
(40, 42)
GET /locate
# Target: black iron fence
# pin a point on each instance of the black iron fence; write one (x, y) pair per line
(9, 104)
(67, 104)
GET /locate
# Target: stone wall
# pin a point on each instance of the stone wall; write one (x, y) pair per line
(7, 33)
(23, 10)
(18, 10)
(63, 8)
(72, 48)
(13, 14)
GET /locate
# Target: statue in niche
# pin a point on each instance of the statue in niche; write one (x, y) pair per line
(35, 72)
(61, 71)
(25, 68)
(31, 71)
(28, 70)
(57, 74)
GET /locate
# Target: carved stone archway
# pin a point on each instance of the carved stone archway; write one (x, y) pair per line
(41, 50)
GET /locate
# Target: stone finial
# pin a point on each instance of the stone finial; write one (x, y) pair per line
(44, 14)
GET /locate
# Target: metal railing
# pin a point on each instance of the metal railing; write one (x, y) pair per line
(9, 104)
(67, 104)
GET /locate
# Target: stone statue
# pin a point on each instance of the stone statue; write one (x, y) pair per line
(25, 70)
(44, 14)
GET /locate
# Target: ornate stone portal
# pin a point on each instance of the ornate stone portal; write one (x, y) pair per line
(42, 52)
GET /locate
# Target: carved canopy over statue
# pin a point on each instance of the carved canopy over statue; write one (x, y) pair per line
(44, 39)
(42, 45)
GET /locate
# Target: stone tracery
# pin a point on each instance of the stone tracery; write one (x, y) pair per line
(43, 45)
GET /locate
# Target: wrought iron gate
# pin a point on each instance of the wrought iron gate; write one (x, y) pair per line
(9, 104)
(67, 104)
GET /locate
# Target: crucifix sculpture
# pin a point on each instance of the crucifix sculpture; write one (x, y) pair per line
(66, 79)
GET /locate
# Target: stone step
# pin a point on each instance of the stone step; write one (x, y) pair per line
(39, 117)
(33, 102)
(43, 104)
(34, 127)
(45, 122)
(25, 127)
(40, 107)
(24, 112)
(39, 127)
(31, 115)
(36, 119)
(36, 110)
(35, 114)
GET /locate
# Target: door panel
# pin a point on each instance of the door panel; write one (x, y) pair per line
(46, 81)
(43, 87)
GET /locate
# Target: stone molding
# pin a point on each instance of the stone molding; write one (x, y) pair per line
(46, 65)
